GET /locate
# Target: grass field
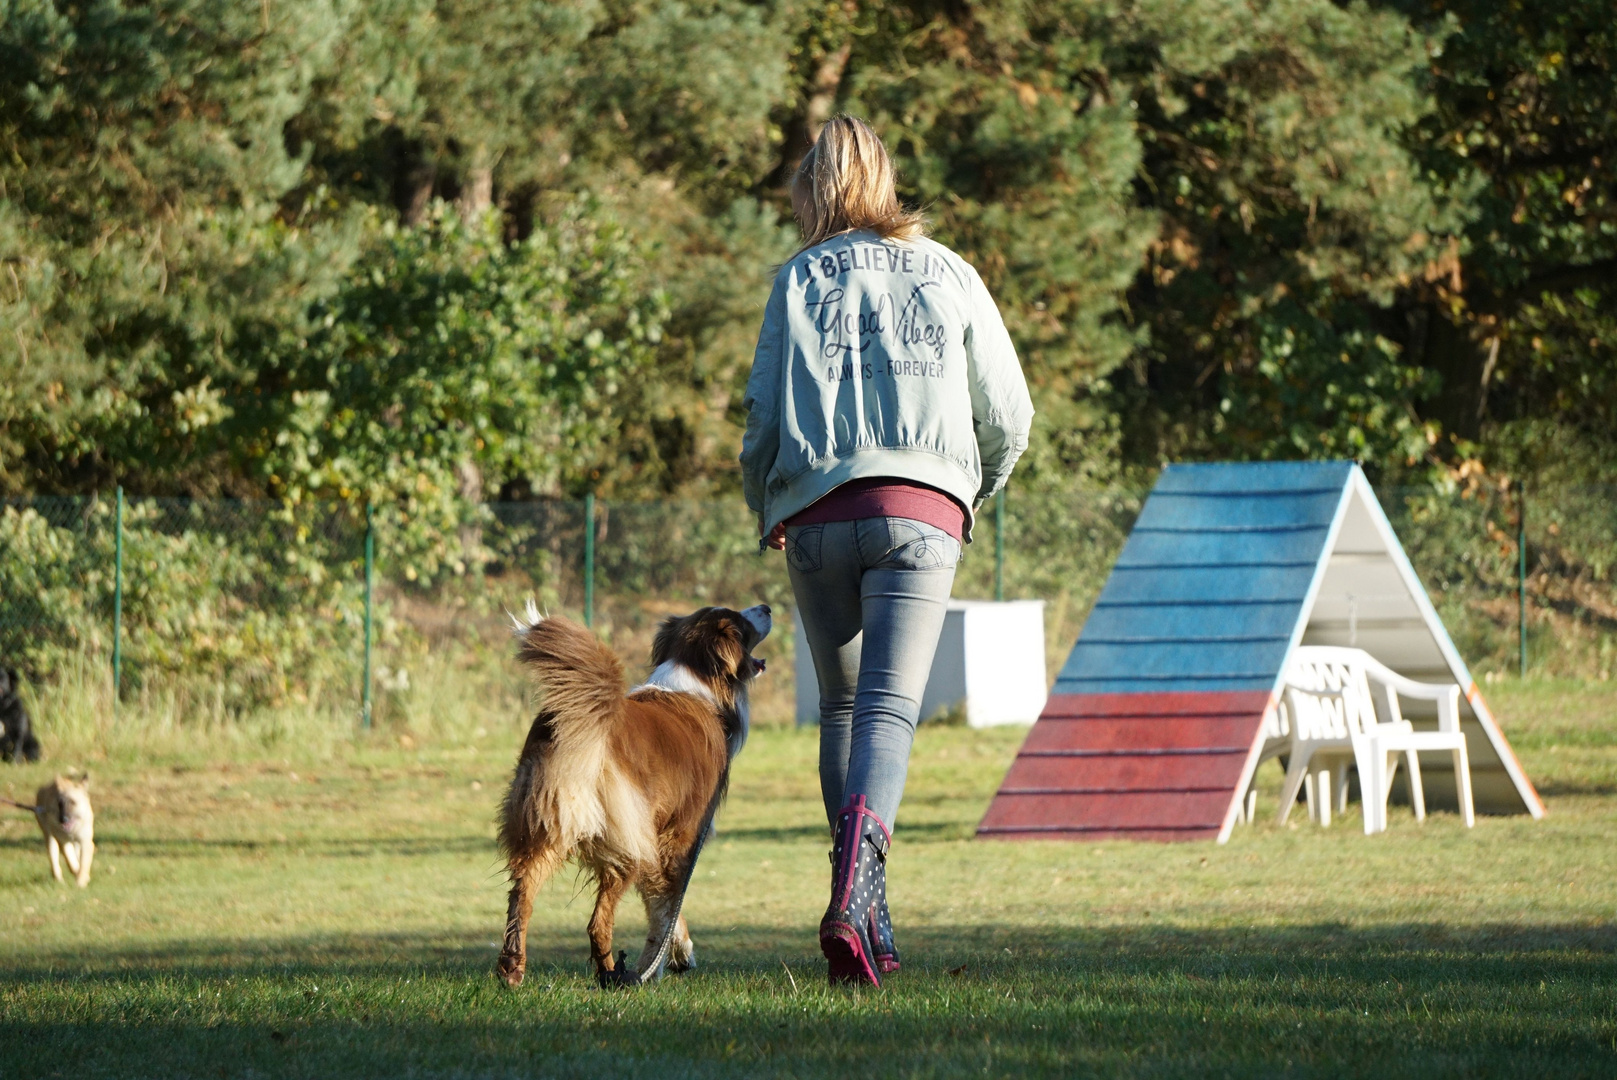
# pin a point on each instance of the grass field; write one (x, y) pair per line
(270, 908)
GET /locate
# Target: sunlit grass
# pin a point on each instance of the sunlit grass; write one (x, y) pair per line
(282, 904)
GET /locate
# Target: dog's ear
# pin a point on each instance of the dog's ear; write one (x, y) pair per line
(662, 646)
(730, 646)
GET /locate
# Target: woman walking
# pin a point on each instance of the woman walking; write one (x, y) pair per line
(885, 405)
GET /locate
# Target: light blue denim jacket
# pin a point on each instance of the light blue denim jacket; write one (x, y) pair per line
(880, 358)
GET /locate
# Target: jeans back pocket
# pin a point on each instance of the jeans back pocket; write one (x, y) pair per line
(906, 544)
(803, 544)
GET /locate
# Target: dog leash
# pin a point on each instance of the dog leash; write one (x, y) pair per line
(20, 806)
(623, 975)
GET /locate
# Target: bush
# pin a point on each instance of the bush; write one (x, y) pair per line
(251, 604)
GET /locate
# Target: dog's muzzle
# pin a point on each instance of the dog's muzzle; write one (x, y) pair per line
(758, 616)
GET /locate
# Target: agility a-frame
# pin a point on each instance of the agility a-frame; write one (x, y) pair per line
(1156, 721)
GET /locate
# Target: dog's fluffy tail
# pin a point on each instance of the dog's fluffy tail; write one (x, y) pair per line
(555, 791)
(581, 678)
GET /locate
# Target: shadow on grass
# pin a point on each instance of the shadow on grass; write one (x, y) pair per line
(1554, 789)
(1404, 951)
(347, 847)
(821, 834)
(1408, 1000)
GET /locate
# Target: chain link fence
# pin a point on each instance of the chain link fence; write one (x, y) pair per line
(1526, 581)
(240, 604)
(250, 602)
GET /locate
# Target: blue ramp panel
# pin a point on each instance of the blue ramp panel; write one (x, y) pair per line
(1210, 587)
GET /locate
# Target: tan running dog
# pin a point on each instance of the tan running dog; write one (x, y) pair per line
(63, 811)
(623, 781)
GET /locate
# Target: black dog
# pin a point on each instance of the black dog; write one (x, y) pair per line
(16, 730)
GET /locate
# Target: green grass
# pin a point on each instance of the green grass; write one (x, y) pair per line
(266, 907)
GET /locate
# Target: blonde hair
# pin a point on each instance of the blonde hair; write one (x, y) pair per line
(847, 181)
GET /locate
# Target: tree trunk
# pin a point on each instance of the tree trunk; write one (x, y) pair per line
(1459, 354)
(414, 177)
(823, 92)
(471, 492)
(477, 189)
(822, 98)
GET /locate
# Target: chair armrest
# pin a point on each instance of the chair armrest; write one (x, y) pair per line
(1448, 710)
(1420, 691)
(1446, 695)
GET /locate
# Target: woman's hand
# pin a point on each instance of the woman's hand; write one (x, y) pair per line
(777, 536)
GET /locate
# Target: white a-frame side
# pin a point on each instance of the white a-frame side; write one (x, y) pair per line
(1367, 596)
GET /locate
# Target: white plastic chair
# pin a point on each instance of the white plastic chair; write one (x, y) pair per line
(1333, 721)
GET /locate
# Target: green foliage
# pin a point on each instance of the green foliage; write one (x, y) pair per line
(1520, 327)
(140, 222)
(1291, 208)
(1189, 212)
(252, 604)
(681, 424)
(428, 253)
(1464, 545)
(1002, 128)
(57, 583)
(447, 357)
(1318, 390)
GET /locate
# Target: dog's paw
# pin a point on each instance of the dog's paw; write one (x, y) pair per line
(682, 957)
(511, 971)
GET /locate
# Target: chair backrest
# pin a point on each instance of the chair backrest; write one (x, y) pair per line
(1329, 694)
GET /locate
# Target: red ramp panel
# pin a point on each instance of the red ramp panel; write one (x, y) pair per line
(1155, 720)
(1160, 765)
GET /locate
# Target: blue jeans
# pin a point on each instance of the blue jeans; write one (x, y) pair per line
(872, 595)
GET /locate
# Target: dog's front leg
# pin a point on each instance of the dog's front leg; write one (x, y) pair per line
(682, 954)
(681, 950)
(86, 855)
(54, 850)
(612, 887)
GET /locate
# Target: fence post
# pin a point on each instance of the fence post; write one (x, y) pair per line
(118, 598)
(999, 545)
(1521, 573)
(589, 559)
(370, 587)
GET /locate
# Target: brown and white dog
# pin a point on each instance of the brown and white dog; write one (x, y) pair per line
(622, 780)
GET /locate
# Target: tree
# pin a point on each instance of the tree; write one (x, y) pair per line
(1291, 212)
(1273, 229)
(141, 219)
(1521, 331)
(1188, 212)
(447, 349)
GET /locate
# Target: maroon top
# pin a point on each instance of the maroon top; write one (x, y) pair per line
(885, 496)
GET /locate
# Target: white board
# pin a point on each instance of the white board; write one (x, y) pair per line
(990, 661)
